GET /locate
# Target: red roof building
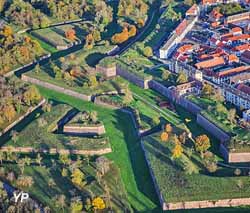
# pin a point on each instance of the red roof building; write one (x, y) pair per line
(242, 37)
(181, 27)
(237, 30)
(233, 71)
(215, 15)
(244, 88)
(193, 11)
(245, 57)
(241, 48)
(210, 63)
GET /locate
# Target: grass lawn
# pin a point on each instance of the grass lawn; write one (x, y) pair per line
(42, 133)
(51, 36)
(45, 193)
(47, 47)
(127, 153)
(177, 186)
(77, 83)
(202, 101)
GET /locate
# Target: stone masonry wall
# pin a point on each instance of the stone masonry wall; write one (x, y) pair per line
(143, 83)
(99, 130)
(212, 128)
(207, 204)
(107, 71)
(161, 89)
(30, 110)
(56, 88)
(189, 105)
(55, 151)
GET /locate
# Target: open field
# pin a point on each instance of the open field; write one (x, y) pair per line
(43, 191)
(42, 133)
(177, 186)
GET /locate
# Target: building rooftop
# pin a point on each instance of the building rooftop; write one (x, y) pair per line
(210, 63)
(233, 71)
(192, 10)
(244, 88)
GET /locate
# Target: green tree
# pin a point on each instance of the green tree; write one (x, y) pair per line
(76, 206)
(207, 90)
(78, 178)
(148, 52)
(182, 78)
(31, 95)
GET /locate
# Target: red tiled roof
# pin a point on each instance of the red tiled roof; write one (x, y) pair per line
(215, 24)
(216, 14)
(210, 63)
(234, 71)
(185, 48)
(236, 29)
(233, 58)
(242, 47)
(208, 1)
(192, 10)
(244, 88)
(181, 27)
(237, 38)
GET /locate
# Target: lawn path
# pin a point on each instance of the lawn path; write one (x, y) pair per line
(127, 153)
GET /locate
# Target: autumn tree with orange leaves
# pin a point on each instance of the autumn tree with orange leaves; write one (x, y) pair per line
(70, 34)
(164, 137)
(202, 143)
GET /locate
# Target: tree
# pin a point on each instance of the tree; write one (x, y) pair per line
(37, 68)
(98, 203)
(6, 31)
(97, 35)
(14, 136)
(237, 172)
(165, 75)
(92, 81)
(25, 181)
(168, 128)
(189, 2)
(120, 37)
(207, 90)
(60, 202)
(132, 31)
(182, 78)
(183, 137)
(39, 159)
(148, 52)
(31, 95)
(231, 115)
(78, 178)
(9, 112)
(93, 116)
(64, 159)
(76, 206)
(177, 151)
(220, 108)
(164, 137)
(89, 41)
(218, 96)
(202, 143)
(64, 172)
(70, 34)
